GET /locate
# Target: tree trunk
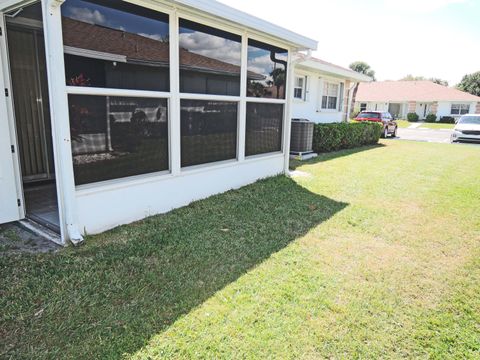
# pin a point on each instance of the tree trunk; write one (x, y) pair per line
(354, 95)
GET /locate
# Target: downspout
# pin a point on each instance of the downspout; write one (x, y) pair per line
(60, 125)
(289, 96)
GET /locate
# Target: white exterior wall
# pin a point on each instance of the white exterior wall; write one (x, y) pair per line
(372, 106)
(103, 207)
(444, 108)
(310, 107)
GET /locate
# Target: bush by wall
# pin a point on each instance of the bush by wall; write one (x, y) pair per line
(447, 120)
(412, 117)
(336, 136)
(431, 118)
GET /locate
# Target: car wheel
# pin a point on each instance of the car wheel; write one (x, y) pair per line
(385, 132)
(394, 132)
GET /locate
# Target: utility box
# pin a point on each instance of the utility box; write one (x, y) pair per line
(301, 139)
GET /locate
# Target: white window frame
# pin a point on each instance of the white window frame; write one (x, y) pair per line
(460, 107)
(322, 83)
(302, 88)
(174, 96)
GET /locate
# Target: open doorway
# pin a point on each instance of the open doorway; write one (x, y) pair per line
(29, 87)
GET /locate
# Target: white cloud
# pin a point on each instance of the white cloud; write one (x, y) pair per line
(212, 46)
(87, 15)
(157, 37)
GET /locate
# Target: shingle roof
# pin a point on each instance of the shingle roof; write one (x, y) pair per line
(137, 48)
(385, 91)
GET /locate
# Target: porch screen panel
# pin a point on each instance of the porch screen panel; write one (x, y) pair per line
(267, 70)
(263, 128)
(116, 137)
(209, 131)
(210, 60)
(115, 44)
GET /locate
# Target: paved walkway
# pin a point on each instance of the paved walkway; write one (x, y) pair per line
(14, 239)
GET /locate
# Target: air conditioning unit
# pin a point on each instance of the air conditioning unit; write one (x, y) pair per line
(301, 139)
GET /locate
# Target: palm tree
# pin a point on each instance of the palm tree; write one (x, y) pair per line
(362, 68)
(278, 76)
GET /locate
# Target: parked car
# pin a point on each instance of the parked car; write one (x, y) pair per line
(389, 124)
(467, 128)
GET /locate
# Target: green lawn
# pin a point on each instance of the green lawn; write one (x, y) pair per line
(366, 253)
(437, 126)
(403, 123)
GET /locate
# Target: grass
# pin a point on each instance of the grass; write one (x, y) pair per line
(367, 253)
(403, 123)
(437, 126)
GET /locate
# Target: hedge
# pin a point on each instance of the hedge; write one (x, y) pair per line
(412, 117)
(431, 118)
(447, 120)
(335, 136)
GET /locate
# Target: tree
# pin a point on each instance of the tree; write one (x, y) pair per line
(362, 68)
(470, 83)
(278, 76)
(438, 81)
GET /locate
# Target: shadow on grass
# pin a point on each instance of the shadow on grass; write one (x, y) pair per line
(112, 295)
(333, 155)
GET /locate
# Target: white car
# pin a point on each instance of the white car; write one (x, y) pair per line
(467, 128)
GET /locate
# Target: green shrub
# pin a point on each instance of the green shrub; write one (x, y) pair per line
(412, 117)
(431, 118)
(447, 120)
(336, 136)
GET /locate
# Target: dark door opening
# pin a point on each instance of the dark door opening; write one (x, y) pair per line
(28, 73)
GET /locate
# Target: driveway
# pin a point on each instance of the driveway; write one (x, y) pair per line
(428, 135)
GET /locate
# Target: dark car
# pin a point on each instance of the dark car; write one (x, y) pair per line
(389, 124)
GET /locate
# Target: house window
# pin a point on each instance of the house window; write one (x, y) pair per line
(300, 87)
(208, 131)
(330, 95)
(264, 128)
(267, 68)
(460, 109)
(115, 44)
(363, 106)
(114, 137)
(209, 60)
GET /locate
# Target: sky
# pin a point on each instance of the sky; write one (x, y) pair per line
(430, 38)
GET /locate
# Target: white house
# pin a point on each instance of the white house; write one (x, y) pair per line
(117, 110)
(322, 91)
(421, 97)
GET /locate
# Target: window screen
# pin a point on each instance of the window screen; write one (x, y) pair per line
(209, 131)
(115, 137)
(267, 67)
(115, 44)
(263, 128)
(209, 60)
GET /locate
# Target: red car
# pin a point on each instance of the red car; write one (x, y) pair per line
(389, 124)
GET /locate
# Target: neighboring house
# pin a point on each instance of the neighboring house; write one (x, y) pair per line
(117, 110)
(420, 97)
(322, 91)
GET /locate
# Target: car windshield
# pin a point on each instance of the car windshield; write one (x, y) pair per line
(469, 120)
(368, 115)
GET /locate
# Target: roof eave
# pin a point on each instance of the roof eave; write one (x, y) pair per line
(299, 42)
(333, 70)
